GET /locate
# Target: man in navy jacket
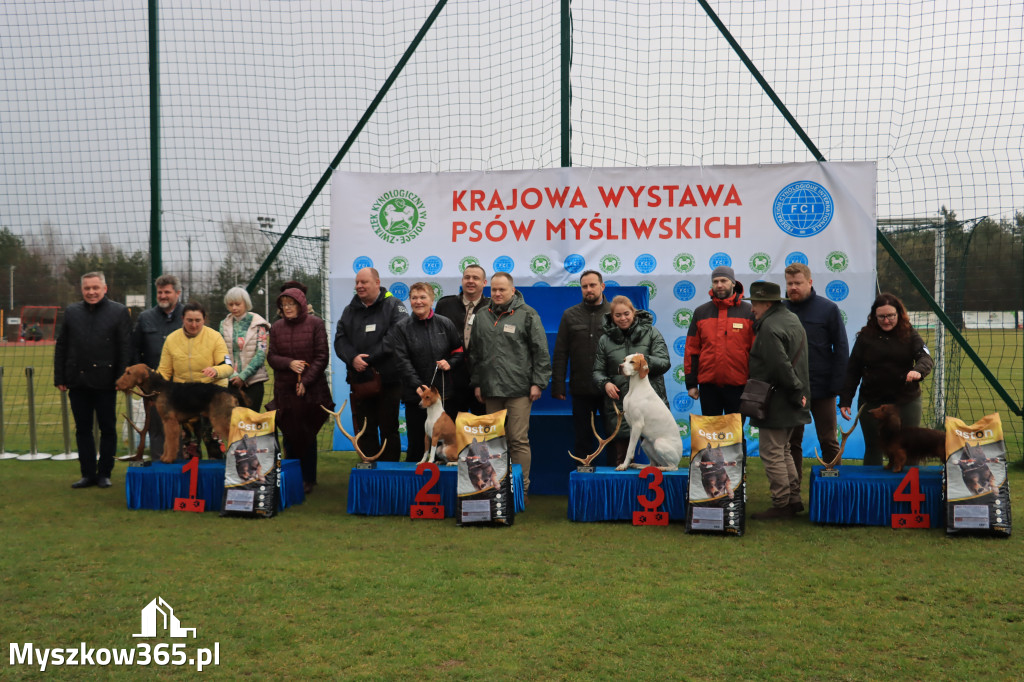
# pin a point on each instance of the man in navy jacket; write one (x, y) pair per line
(828, 352)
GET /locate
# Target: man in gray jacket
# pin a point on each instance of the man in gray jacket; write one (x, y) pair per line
(575, 347)
(779, 357)
(148, 338)
(510, 364)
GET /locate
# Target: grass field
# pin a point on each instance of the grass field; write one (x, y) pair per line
(317, 594)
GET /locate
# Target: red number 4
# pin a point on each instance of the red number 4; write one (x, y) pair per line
(915, 519)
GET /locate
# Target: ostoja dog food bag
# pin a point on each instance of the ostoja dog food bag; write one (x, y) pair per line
(485, 470)
(716, 498)
(974, 478)
(252, 465)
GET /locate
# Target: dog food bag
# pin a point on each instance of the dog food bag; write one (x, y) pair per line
(252, 465)
(485, 471)
(974, 478)
(716, 499)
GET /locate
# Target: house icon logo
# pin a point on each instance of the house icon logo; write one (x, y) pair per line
(157, 614)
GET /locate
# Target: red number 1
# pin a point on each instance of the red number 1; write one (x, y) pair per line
(191, 503)
(915, 519)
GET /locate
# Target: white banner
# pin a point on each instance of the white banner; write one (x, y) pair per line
(664, 228)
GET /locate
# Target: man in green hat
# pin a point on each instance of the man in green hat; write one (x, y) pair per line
(779, 357)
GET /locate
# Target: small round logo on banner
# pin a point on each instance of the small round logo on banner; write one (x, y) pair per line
(651, 289)
(399, 291)
(803, 208)
(611, 283)
(503, 264)
(438, 291)
(684, 291)
(679, 346)
(837, 261)
(432, 265)
(654, 317)
(574, 263)
(645, 263)
(466, 262)
(610, 264)
(682, 402)
(846, 320)
(684, 427)
(720, 258)
(751, 431)
(837, 290)
(573, 283)
(797, 257)
(398, 216)
(760, 262)
(684, 262)
(399, 265)
(540, 264)
(361, 262)
(401, 425)
(541, 284)
(678, 374)
(682, 318)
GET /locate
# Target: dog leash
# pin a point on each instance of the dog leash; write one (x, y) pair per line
(442, 381)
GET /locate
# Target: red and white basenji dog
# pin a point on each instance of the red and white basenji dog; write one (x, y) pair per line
(439, 427)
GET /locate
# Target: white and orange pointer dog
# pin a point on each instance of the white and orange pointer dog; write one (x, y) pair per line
(649, 418)
(438, 427)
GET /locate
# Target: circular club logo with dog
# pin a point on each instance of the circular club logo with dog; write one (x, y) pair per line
(645, 263)
(684, 427)
(752, 432)
(398, 216)
(803, 209)
(399, 265)
(837, 261)
(837, 290)
(683, 290)
(574, 263)
(466, 262)
(678, 374)
(651, 289)
(438, 291)
(432, 265)
(797, 257)
(684, 262)
(846, 320)
(610, 264)
(399, 291)
(503, 264)
(760, 262)
(682, 318)
(720, 258)
(540, 264)
(361, 262)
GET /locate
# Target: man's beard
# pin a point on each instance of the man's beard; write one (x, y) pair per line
(723, 295)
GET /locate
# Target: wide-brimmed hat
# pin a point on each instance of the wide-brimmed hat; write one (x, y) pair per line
(765, 292)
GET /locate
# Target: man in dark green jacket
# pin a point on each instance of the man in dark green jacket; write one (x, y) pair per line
(575, 346)
(510, 363)
(779, 357)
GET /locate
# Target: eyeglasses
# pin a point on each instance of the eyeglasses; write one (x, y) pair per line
(889, 316)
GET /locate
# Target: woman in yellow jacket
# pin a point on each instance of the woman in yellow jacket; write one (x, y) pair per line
(196, 353)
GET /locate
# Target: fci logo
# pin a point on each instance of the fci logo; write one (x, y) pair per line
(398, 216)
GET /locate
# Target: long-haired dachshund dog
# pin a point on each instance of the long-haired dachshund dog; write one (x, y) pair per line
(906, 444)
(181, 403)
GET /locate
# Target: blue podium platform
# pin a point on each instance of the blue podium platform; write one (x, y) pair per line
(158, 485)
(390, 489)
(863, 495)
(610, 495)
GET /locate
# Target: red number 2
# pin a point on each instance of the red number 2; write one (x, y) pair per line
(423, 496)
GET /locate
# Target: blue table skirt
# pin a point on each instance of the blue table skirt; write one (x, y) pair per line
(390, 489)
(863, 495)
(158, 485)
(610, 495)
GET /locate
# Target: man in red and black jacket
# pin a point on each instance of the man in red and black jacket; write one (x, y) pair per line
(718, 346)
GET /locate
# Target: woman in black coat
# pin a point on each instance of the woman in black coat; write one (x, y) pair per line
(889, 360)
(426, 347)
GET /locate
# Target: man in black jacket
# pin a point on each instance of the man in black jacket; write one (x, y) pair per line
(462, 309)
(575, 347)
(359, 341)
(827, 353)
(151, 330)
(92, 350)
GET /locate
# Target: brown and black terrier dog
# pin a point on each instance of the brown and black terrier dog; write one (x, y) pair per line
(181, 403)
(906, 444)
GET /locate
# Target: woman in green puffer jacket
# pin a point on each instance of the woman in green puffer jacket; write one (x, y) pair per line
(627, 331)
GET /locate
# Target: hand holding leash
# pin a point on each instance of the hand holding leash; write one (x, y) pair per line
(913, 376)
(210, 373)
(297, 366)
(359, 363)
(611, 390)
